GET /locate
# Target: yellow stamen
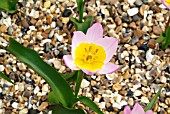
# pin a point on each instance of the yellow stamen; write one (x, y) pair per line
(167, 2)
(89, 56)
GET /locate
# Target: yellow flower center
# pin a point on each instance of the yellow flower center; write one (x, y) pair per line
(167, 2)
(89, 56)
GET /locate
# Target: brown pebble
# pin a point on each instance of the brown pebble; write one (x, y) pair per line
(3, 28)
(138, 33)
(115, 109)
(44, 35)
(24, 23)
(49, 19)
(125, 40)
(117, 87)
(123, 92)
(151, 43)
(118, 29)
(47, 31)
(156, 8)
(126, 75)
(33, 21)
(140, 42)
(155, 107)
(43, 106)
(132, 25)
(167, 101)
(157, 30)
(118, 20)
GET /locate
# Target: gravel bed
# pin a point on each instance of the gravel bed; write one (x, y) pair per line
(45, 27)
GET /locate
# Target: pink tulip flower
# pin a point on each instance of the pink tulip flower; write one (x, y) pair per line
(166, 3)
(91, 52)
(137, 109)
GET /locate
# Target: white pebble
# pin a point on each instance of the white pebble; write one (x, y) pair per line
(144, 100)
(137, 93)
(149, 55)
(163, 79)
(45, 88)
(36, 90)
(131, 1)
(16, 87)
(133, 11)
(85, 83)
(34, 14)
(32, 27)
(2, 68)
(96, 100)
(102, 105)
(59, 37)
(1, 103)
(15, 105)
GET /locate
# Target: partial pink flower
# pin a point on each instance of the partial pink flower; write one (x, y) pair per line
(166, 3)
(91, 52)
(137, 109)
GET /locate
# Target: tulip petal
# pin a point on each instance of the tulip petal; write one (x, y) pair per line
(166, 5)
(149, 112)
(127, 110)
(110, 45)
(88, 72)
(78, 38)
(108, 68)
(68, 60)
(137, 109)
(95, 32)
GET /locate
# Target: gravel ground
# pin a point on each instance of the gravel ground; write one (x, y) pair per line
(45, 27)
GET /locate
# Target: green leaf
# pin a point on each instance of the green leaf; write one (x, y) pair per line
(80, 77)
(151, 104)
(164, 39)
(62, 90)
(167, 40)
(52, 99)
(161, 38)
(87, 101)
(8, 5)
(58, 109)
(70, 77)
(84, 25)
(5, 77)
(80, 5)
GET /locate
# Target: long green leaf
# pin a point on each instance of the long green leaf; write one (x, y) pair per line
(151, 104)
(161, 38)
(5, 77)
(87, 101)
(58, 109)
(62, 90)
(167, 40)
(52, 99)
(80, 5)
(8, 5)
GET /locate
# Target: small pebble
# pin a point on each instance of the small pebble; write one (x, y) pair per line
(43, 106)
(85, 83)
(133, 11)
